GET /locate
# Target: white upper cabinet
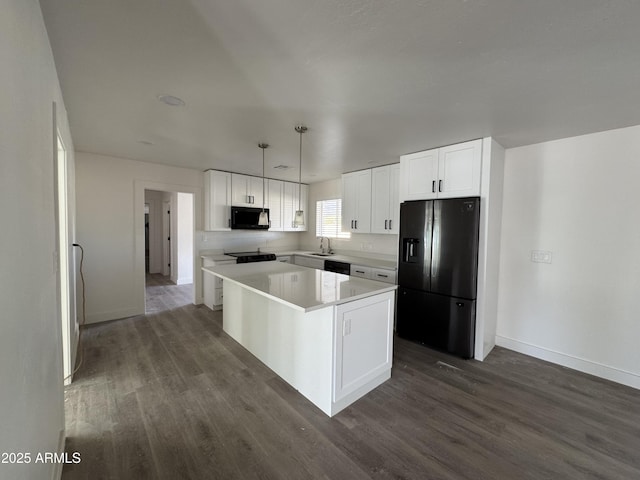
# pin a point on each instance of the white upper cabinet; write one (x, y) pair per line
(447, 172)
(224, 189)
(217, 200)
(385, 199)
(290, 205)
(419, 175)
(247, 190)
(356, 202)
(275, 194)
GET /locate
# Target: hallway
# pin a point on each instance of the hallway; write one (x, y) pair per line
(162, 294)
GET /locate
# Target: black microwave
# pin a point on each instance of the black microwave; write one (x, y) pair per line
(246, 218)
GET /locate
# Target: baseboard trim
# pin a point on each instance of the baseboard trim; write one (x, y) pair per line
(582, 365)
(113, 315)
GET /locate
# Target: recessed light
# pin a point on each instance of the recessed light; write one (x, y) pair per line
(171, 100)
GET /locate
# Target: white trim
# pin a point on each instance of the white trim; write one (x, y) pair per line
(583, 365)
(138, 224)
(115, 314)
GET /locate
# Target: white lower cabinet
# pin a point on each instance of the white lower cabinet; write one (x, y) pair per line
(372, 273)
(317, 263)
(360, 271)
(212, 288)
(363, 343)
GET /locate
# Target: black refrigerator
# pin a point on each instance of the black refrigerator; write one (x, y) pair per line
(437, 273)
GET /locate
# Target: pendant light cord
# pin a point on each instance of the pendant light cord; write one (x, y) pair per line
(300, 129)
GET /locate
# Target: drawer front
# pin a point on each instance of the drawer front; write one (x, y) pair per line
(360, 271)
(382, 275)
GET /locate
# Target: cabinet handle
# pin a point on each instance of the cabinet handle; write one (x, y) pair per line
(381, 275)
(356, 224)
(385, 224)
(352, 224)
(433, 186)
(359, 271)
(390, 224)
(439, 185)
(229, 223)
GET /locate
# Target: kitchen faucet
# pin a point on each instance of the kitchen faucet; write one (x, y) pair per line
(322, 249)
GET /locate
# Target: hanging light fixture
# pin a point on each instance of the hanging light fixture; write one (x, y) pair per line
(298, 220)
(263, 219)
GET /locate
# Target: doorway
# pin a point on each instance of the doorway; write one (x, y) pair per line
(64, 257)
(169, 237)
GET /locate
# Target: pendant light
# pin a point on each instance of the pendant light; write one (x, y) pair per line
(298, 220)
(263, 219)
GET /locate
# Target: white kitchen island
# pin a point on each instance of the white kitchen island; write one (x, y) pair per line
(328, 335)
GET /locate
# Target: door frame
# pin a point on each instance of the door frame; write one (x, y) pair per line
(138, 224)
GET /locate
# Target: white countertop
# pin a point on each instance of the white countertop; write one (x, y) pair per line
(299, 287)
(217, 257)
(352, 259)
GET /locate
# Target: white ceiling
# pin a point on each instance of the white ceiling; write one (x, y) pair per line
(372, 79)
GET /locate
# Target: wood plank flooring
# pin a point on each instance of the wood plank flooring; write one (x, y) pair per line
(162, 294)
(171, 396)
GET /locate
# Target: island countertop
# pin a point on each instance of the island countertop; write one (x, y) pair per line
(299, 287)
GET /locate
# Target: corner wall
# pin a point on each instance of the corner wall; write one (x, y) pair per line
(31, 402)
(576, 198)
(110, 225)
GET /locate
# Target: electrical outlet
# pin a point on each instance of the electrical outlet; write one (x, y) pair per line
(541, 256)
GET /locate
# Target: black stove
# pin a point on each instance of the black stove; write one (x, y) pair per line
(250, 257)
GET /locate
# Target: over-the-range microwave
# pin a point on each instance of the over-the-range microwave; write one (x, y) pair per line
(246, 218)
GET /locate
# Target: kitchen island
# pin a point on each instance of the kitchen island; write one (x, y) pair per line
(330, 336)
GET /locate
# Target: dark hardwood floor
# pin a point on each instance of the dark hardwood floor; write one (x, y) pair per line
(170, 395)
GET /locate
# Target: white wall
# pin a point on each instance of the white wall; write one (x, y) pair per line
(31, 402)
(367, 244)
(184, 238)
(110, 225)
(575, 197)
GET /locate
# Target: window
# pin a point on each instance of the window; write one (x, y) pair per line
(329, 219)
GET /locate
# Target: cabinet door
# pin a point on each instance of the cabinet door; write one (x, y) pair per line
(304, 205)
(459, 170)
(246, 190)
(356, 199)
(363, 342)
(275, 198)
(217, 200)
(385, 200)
(240, 190)
(380, 200)
(394, 198)
(419, 175)
(255, 191)
(292, 196)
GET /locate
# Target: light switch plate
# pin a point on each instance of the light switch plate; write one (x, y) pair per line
(541, 256)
